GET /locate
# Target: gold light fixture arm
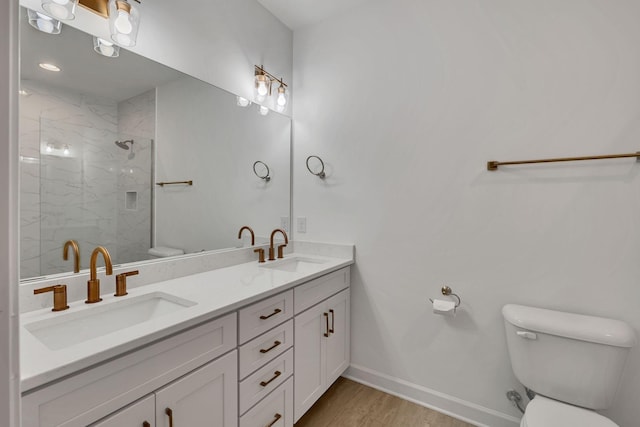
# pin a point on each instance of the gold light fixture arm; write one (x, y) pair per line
(261, 71)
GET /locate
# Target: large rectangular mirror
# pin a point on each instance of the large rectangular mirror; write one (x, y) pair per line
(98, 137)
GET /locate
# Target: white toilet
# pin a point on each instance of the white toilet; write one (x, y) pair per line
(164, 252)
(572, 362)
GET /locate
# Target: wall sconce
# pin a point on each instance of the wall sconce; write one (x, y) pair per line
(262, 89)
(44, 23)
(61, 9)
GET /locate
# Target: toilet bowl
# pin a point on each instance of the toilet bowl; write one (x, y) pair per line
(571, 361)
(164, 252)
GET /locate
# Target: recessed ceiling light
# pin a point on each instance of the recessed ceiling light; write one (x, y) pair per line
(49, 67)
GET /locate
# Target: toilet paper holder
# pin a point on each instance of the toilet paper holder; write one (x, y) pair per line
(446, 290)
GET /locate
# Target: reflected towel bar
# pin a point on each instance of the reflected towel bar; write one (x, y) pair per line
(493, 165)
(162, 184)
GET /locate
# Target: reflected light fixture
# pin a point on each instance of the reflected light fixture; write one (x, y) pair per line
(49, 67)
(124, 19)
(105, 48)
(66, 150)
(60, 9)
(49, 148)
(44, 23)
(242, 102)
(262, 89)
(263, 110)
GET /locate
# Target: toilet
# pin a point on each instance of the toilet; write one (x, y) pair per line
(572, 362)
(164, 252)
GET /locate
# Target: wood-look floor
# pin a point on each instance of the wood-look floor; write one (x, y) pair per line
(350, 404)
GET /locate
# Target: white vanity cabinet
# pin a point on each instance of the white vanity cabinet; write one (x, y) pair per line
(102, 391)
(264, 364)
(322, 337)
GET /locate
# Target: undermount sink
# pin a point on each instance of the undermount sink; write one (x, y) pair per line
(69, 329)
(294, 264)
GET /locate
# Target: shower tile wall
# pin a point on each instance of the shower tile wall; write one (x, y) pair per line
(74, 196)
(137, 121)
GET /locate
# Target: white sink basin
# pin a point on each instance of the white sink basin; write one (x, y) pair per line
(294, 264)
(68, 329)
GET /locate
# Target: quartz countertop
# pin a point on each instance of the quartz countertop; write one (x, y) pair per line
(216, 292)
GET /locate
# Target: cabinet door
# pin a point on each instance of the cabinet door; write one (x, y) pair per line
(206, 397)
(338, 342)
(309, 377)
(139, 414)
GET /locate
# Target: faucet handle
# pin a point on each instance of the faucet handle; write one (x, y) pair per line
(121, 283)
(59, 296)
(260, 252)
(280, 250)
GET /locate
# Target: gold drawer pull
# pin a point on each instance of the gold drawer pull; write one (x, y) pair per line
(267, 350)
(275, 420)
(333, 321)
(146, 424)
(276, 374)
(276, 311)
(169, 412)
(326, 317)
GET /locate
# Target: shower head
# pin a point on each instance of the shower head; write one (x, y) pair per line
(123, 144)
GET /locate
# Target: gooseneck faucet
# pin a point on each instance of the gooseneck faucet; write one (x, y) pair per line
(76, 254)
(93, 285)
(280, 247)
(253, 236)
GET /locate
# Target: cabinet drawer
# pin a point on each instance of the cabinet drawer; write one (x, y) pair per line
(320, 289)
(81, 399)
(276, 410)
(265, 380)
(265, 348)
(136, 414)
(258, 318)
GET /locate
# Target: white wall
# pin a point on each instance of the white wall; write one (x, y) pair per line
(218, 41)
(9, 369)
(406, 101)
(215, 143)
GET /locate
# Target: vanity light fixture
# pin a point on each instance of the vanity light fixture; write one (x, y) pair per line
(124, 19)
(60, 9)
(262, 88)
(105, 48)
(66, 151)
(49, 148)
(44, 23)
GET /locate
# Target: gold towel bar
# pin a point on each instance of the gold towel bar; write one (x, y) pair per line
(162, 184)
(493, 165)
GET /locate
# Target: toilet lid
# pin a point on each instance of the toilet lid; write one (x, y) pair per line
(545, 412)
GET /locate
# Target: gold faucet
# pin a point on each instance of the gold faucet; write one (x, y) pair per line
(76, 254)
(253, 236)
(93, 285)
(280, 247)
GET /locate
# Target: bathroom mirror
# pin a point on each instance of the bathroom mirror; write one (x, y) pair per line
(129, 154)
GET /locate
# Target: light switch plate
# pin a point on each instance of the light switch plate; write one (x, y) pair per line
(302, 224)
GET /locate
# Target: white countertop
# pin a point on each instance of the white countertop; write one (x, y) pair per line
(216, 293)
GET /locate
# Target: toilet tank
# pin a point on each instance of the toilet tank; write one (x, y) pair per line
(569, 357)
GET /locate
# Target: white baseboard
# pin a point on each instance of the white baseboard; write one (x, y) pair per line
(452, 406)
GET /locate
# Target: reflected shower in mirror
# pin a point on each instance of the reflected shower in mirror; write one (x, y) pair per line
(98, 135)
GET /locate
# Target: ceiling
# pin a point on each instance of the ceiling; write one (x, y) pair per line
(83, 70)
(296, 14)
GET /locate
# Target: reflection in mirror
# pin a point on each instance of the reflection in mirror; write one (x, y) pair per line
(98, 135)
